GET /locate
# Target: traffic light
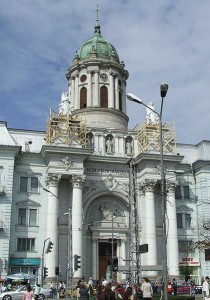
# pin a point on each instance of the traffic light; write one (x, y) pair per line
(115, 264)
(143, 248)
(57, 270)
(45, 272)
(77, 262)
(49, 247)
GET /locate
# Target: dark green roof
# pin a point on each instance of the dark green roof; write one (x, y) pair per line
(97, 45)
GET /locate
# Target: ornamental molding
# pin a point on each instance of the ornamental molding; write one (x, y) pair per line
(170, 187)
(108, 184)
(67, 163)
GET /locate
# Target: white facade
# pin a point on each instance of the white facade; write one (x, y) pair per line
(40, 181)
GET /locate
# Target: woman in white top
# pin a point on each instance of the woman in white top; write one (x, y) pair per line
(147, 289)
(205, 287)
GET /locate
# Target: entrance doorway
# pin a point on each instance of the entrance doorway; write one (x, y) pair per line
(105, 256)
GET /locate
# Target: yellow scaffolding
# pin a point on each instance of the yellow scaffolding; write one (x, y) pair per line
(149, 138)
(66, 129)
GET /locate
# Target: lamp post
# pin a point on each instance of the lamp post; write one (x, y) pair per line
(132, 97)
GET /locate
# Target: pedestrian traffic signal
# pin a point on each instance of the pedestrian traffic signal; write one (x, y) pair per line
(45, 272)
(115, 264)
(77, 262)
(49, 247)
(57, 270)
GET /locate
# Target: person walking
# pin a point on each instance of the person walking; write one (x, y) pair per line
(37, 291)
(107, 294)
(128, 293)
(84, 292)
(205, 288)
(174, 285)
(147, 289)
(28, 294)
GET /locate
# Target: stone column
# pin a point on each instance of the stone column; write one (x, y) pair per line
(77, 222)
(52, 223)
(95, 259)
(171, 227)
(124, 96)
(96, 100)
(89, 89)
(111, 91)
(116, 93)
(150, 228)
(123, 255)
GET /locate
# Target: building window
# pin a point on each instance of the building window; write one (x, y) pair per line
(179, 221)
(27, 217)
(25, 244)
(184, 220)
(186, 191)
(185, 246)
(104, 97)
(182, 192)
(178, 194)
(22, 216)
(83, 78)
(83, 98)
(29, 184)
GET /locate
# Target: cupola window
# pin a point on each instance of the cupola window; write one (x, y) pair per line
(120, 101)
(83, 98)
(104, 97)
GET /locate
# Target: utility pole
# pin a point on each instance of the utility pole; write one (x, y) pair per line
(69, 280)
(134, 230)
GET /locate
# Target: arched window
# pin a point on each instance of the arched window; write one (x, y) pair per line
(120, 101)
(83, 98)
(104, 97)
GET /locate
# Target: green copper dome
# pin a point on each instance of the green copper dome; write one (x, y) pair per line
(98, 47)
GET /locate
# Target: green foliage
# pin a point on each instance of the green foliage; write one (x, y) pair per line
(185, 272)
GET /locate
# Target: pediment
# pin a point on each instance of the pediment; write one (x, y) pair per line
(27, 202)
(184, 208)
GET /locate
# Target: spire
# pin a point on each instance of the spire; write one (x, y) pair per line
(97, 26)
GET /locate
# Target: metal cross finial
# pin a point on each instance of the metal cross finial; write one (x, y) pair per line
(97, 12)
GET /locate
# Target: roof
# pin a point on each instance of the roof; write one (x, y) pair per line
(97, 46)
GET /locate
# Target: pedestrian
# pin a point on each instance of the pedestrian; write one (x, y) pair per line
(114, 289)
(78, 286)
(174, 285)
(107, 294)
(128, 293)
(37, 291)
(28, 294)
(205, 288)
(84, 292)
(90, 282)
(147, 289)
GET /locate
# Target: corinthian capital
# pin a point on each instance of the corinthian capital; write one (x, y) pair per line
(170, 187)
(149, 185)
(52, 179)
(77, 181)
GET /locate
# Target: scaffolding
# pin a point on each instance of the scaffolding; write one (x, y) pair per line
(149, 138)
(66, 129)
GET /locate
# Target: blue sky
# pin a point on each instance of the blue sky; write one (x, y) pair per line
(159, 40)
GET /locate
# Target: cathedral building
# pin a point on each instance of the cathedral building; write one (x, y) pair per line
(90, 186)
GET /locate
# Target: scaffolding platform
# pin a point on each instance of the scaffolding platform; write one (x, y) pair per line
(149, 138)
(66, 129)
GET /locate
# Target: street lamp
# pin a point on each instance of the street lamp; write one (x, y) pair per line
(132, 97)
